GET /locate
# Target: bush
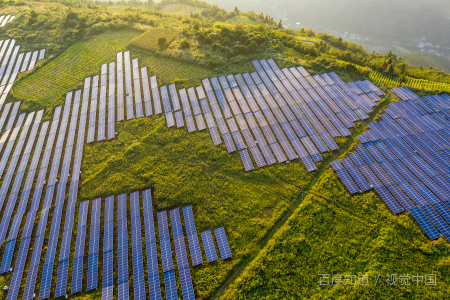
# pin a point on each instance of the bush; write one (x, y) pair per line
(184, 44)
(162, 42)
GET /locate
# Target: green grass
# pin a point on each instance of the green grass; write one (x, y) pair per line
(149, 39)
(239, 19)
(170, 70)
(49, 84)
(187, 169)
(332, 232)
(426, 59)
(180, 9)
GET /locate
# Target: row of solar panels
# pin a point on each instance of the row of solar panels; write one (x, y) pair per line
(122, 253)
(12, 63)
(6, 19)
(406, 158)
(56, 147)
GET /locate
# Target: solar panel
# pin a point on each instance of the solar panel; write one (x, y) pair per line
(92, 272)
(426, 225)
(392, 172)
(389, 200)
(443, 211)
(413, 194)
(187, 288)
(215, 136)
(246, 160)
(348, 181)
(424, 191)
(108, 268)
(107, 293)
(437, 220)
(436, 189)
(170, 285)
(208, 246)
(328, 140)
(370, 176)
(222, 243)
(400, 197)
(136, 240)
(154, 287)
(166, 251)
(229, 142)
(123, 291)
(257, 156)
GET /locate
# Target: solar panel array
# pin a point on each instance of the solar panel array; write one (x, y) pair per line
(78, 260)
(187, 288)
(136, 247)
(406, 158)
(94, 241)
(108, 249)
(191, 232)
(150, 240)
(5, 19)
(122, 245)
(13, 62)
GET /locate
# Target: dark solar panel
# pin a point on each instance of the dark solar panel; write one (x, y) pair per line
(257, 156)
(136, 241)
(370, 176)
(246, 160)
(437, 220)
(187, 288)
(170, 285)
(222, 243)
(424, 191)
(92, 272)
(413, 194)
(392, 172)
(400, 197)
(154, 287)
(208, 246)
(107, 292)
(278, 152)
(348, 181)
(426, 225)
(389, 200)
(357, 160)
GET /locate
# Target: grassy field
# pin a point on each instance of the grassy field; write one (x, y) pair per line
(334, 233)
(180, 9)
(149, 39)
(187, 169)
(48, 85)
(239, 19)
(169, 70)
(426, 59)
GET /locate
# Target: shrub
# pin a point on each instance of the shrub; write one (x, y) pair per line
(184, 44)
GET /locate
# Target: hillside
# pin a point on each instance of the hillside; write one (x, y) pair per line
(141, 99)
(428, 60)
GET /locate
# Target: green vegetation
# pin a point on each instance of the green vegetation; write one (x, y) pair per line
(152, 39)
(334, 233)
(239, 19)
(180, 9)
(426, 60)
(49, 84)
(187, 169)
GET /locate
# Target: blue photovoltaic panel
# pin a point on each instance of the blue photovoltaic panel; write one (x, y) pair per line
(381, 174)
(92, 272)
(77, 274)
(364, 154)
(222, 243)
(107, 268)
(357, 160)
(359, 179)
(436, 189)
(437, 220)
(180, 251)
(122, 251)
(163, 225)
(392, 172)
(171, 286)
(363, 138)
(431, 232)
(208, 246)
(443, 210)
(336, 165)
(194, 247)
(370, 176)
(166, 255)
(175, 221)
(123, 291)
(154, 287)
(389, 200)
(137, 256)
(187, 288)
(61, 282)
(107, 292)
(348, 181)
(413, 194)
(426, 193)
(401, 197)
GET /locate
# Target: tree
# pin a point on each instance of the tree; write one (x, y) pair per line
(349, 68)
(150, 3)
(162, 42)
(184, 44)
(236, 11)
(280, 25)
